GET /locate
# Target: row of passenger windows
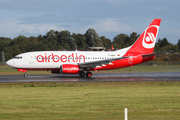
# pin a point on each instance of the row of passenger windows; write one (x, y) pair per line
(78, 58)
(71, 58)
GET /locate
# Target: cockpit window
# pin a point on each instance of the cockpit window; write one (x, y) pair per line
(18, 57)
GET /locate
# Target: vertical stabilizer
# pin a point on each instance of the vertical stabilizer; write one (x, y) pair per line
(146, 42)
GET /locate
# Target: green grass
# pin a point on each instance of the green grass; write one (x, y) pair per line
(15, 72)
(90, 100)
(6, 70)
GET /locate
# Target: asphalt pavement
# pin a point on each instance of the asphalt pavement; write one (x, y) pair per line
(103, 77)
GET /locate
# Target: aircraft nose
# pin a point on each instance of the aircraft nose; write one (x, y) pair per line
(10, 62)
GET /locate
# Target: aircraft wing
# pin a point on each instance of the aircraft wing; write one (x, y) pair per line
(93, 64)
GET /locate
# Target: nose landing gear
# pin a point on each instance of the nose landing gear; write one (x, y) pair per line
(25, 75)
(23, 70)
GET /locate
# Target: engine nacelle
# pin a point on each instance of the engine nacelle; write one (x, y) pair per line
(69, 69)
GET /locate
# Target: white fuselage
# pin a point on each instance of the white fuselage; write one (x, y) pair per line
(54, 59)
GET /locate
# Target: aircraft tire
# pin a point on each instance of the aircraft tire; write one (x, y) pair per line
(82, 74)
(88, 74)
(25, 75)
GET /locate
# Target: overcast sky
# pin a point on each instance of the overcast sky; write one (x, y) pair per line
(108, 17)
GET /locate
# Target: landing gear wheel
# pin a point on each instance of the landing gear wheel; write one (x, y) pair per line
(82, 74)
(25, 75)
(88, 74)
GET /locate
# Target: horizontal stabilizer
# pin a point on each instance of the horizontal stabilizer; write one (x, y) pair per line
(157, 53)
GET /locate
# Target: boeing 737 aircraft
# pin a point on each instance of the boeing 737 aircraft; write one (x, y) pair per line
(82, 62)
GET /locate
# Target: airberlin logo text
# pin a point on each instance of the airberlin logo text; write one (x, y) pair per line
(62, 58)
(149, 38)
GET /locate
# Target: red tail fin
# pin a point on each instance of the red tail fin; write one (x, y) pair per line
(146, 42)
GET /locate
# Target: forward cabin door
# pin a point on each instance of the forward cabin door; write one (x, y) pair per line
(31, 59)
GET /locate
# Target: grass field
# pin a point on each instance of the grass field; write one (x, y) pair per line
(90, 100)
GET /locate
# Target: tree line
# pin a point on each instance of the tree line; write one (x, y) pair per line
(64, 40)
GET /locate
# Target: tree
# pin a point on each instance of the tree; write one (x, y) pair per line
(92, 38)
(159, 41)
(164, 42)
(3, 45)
(65, 37)
(66, 46)
(52, 42)
(41, 38)
(80, 40)
(59, 47)
(178, 44)
(51, 33)
(21, 42)
(106, 42)
(156, 48)
(32, 44)
(119, 41)
(72, 43)
(175, 48)
(133, 37)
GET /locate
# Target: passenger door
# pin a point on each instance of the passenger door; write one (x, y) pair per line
(31, 59)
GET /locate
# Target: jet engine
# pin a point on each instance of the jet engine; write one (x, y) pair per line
(69, 69)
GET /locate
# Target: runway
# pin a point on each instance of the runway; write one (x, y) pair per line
(100, 77)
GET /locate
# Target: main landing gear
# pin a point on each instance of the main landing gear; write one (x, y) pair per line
(87, 74)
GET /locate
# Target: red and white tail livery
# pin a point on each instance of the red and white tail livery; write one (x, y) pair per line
(146, 42)
(82, 62)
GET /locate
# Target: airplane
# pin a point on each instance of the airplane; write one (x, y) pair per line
(82, 62)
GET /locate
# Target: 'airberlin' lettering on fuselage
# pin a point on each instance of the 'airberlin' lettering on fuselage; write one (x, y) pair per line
(61, 58)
